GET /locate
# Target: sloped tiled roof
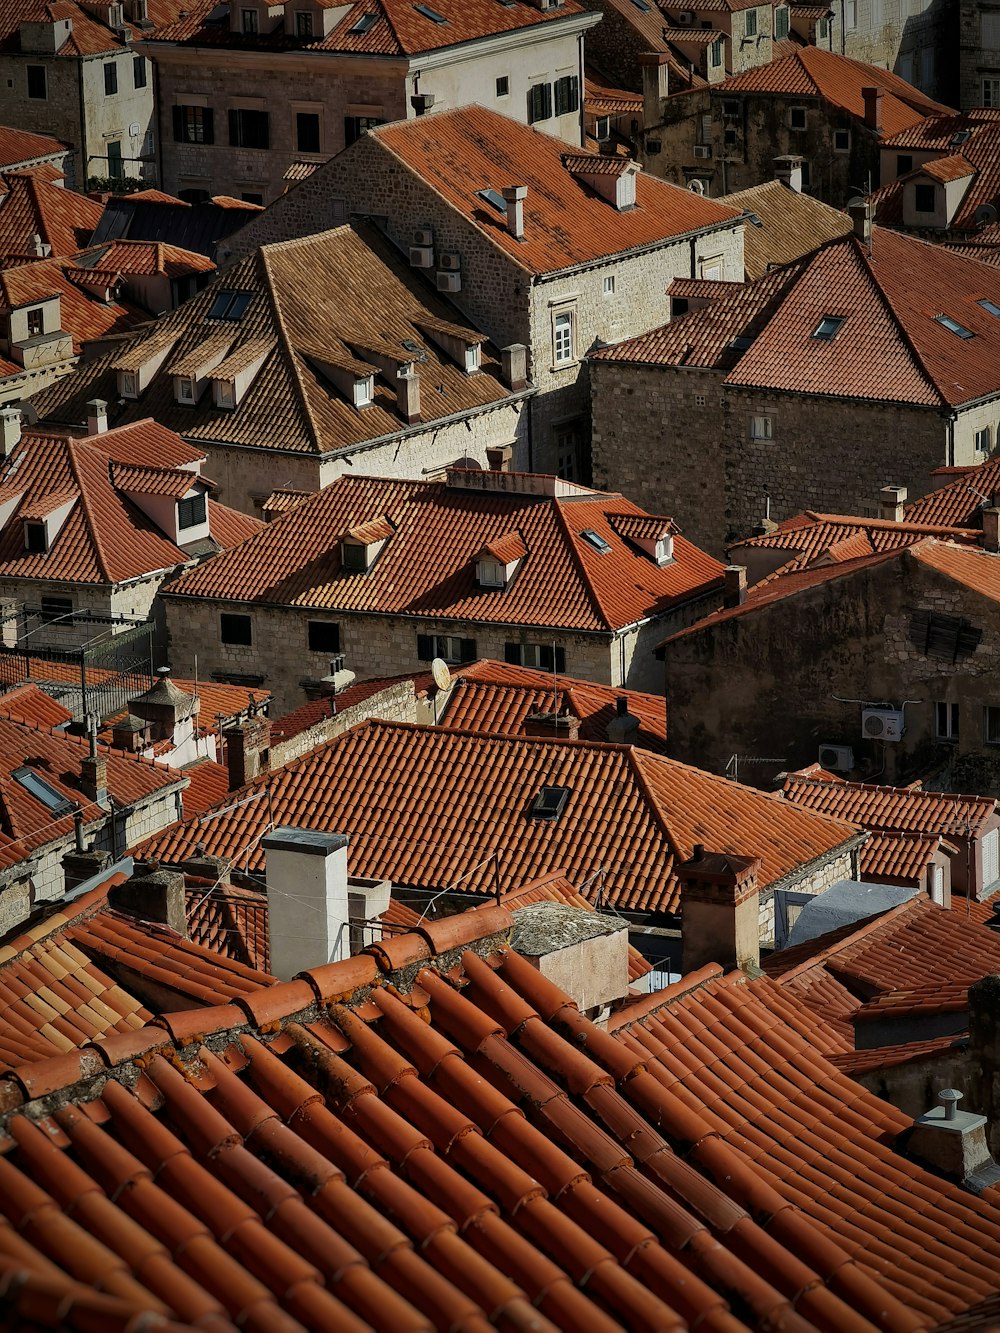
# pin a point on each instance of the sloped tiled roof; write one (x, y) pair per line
(312, 300)
(978, 156)
(890, 347)
(893, 809)
(19, 146)
(85, 318)
(898, 858)
(975, 569)
(811, 536)
(460, 152)
(378, 1145)
(427, 568)
(423, 806)
(813, 72)
(960, 501)
(793, 224)
(208, 785)
(144, 258)
(106, 538)
(63, 219)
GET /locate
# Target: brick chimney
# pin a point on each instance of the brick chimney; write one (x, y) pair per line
(514, 366)
(552, 726)
(97, 416)
(891, 500)
(873, 108)
(247, 749)
(514, 197)
(10, 429)
(153, 895)
(991, 530)
(94, 771)
(734, 590)
(954, 1143)
(623, 729)
(408, 395)
(720, 910)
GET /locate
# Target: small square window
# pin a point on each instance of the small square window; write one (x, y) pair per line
(904, 164)
(37, 86)
(762, 428)
(797, 118)
(924, 198)
(110, 78)
(729, 137)
(57, 608)
(323, 636)
(609, 284)
(251, 197)
(303, 24)
(983, 440)
(35, 538)
(235, 629)
(549, 803)
(503, 86)
(842, 141)
(946, 721)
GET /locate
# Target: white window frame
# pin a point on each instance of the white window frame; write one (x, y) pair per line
(984, 440)
(847, 145)
(563, 338)
(490, 573)
(762, 427)
(991, 90)
(608, 285)
(184, 389)
(946, 721)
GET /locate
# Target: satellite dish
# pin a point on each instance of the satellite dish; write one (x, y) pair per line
(697, 187)
(985, 215)
(440, 673)
(855, 201)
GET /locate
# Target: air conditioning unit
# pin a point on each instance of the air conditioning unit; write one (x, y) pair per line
(882, 724)
(423, 236)
(450, 260)
(836, 758)
(686, 18)
(449, 282)
(421, 256)
(703, 150)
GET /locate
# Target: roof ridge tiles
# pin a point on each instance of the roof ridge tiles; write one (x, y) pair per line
(688, 984)
(261, 259)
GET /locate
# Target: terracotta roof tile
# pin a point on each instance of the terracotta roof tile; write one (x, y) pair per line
(208, 784)
(812, 537)
(793, 224)
(961, 500)
(427, 567)
(945, 169)
(971, 567)
(19, 146)
(979, 158)
(629, 816)
(893, 809)
(84, 318)
(898, 858)
(462, 152)
(31, 206)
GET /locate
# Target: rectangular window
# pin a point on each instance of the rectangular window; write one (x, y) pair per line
(562, 339)
(609, 284)
(780, 24)
(983, 440)
(828, 327)
(904, 164)
(307, 131)
(35, 539)
(193, 124)
(503, 86)
(762, 428)
(355, 126)
(249, 129)
(303, 24)
(850, 15)
(323, 636)
(139, 75)
(237, 630)
(797, 118)
(842, 141)
(991, 724)
(37, 88)
(539, 102)
(116, 167)
(750, 23)
(822, 30)
(989, 29)
(110, 78)
(567, 95)
(953, 326)
(252, 197)
(946, 721)
(449, 647)
(715, 53)
(926, 67)
(923, 198)
(36, 322)
(991, 91)
(540, 656)
(192, 512)
(249, 18)
(185, 389)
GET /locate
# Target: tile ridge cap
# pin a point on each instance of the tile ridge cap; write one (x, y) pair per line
(284, 341)
(861, 250)
(687, 985)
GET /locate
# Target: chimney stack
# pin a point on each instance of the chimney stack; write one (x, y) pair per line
(583, 953)
(623, 729)
(734, 592)
(514, 197)
(514, 366)
(155, 895)
(10, 429)
(499, 456)
(655, 86)
(408, 394)
(94, 771)
(552, 726)
(953, 1142)
(873, 108)
(991, 530)
(97, 416)
(307, 903)
(891, 500)
(720, 910)
(37, 246)
(861, 217)
(247, 750)
(788, 170)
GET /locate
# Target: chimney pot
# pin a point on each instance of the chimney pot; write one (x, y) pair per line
(623, 729)
(991, 530)
(155, 895)
(954, 1142)
(307, 899)
(97, 416)
(788, 170)
(734, 592)
(891, 501)
(873, 108)
(514, 197)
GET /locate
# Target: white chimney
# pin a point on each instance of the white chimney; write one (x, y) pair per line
(307, 907)
(38, 246)
(861, 217)
(891, 500)
(788, 169)
(623, 729)
(408, 394)
(97, 416)
(10, 429)
(514, 366)
(514, 197)
(953, 1141)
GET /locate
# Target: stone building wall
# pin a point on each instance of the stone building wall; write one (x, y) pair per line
(979, 50)
(396, 703)
(916, 39)
(57, 114)
(812, 879)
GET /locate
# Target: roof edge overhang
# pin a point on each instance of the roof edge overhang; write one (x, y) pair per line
(724, 224)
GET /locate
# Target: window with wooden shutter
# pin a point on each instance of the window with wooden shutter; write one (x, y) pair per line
(944, 637)
(539, 102)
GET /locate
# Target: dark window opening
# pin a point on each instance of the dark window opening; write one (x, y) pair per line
(139, 75)
(192, 512)
(567, 95)
(503, 86)
(942, 636)
(303, 24)
(193, 124)
(539, 102)
(904, 164)
(110, 79)
(540, 656)
(35, 539)
(324, 636)
(236, 629)
(36, 322)
(230, 305)
(355, 126)
(37, 87)
(307, 131)
(249, 129)
(57, 609)
(924, 197)
(449, 647)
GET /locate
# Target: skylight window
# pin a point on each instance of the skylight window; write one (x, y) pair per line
(953, 326)
(828, 327)
(494, 198)
(960, 137)
(641, 4)
(596, 540)
(230, 305)
(362, 25)
(431, 14)
(990, 307)
(741, 344)
(36, 786)
(549, 803)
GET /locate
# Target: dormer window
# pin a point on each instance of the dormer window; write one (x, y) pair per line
(36, 537)
(361, 546)
(472, 358)
(364, 390)
(354, 557)
(549, 803)
(490, 574)
(665, 550)
(184, 389)
(497, 562)
(36, 322)
(225, 394)
(128, 384)
(192, 511)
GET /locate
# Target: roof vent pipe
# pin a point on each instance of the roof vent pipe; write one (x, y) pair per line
(514, 197)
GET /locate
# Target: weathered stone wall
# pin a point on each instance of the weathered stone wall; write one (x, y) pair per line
(57, 114)
(977, 59)
(893, 35)
(812, 879)
(396, 703)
